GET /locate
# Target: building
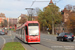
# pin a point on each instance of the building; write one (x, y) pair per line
(21, 16)
(66, 14)
(2, 17)
(12, 21)
(51, 2)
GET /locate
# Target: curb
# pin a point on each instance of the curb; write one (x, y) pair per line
(2, 47)
(24, 47)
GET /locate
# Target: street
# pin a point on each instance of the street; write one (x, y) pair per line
(4, 39)
(48, 42)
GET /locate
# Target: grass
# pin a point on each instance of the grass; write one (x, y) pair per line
(13, 46)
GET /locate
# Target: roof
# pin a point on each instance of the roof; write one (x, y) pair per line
(51, 2)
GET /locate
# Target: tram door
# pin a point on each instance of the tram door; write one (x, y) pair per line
(26, 30)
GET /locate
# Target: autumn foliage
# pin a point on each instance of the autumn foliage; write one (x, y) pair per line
(71, 18)
(22, 20)
(49, 14)
(71, 22)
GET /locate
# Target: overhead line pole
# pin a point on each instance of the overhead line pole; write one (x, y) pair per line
(30, 14)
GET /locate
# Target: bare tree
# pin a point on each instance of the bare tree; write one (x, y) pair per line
(68, 7)
(37, 10)
(74, 8)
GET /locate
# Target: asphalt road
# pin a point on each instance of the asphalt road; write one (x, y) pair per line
(4, 39)
(51, 42)
(48, 42)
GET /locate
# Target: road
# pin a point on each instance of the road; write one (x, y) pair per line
(48, 42)
(4, 39)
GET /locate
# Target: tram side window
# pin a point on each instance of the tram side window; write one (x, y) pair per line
(26, 30)
(21, 31)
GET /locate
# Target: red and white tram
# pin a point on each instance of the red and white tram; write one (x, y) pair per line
(29, 32)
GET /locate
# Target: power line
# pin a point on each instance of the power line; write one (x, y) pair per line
(38, 1)
(42, 1)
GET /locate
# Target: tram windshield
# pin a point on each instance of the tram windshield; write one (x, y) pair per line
(33, 29)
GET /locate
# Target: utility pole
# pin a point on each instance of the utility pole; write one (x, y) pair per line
(30, 13)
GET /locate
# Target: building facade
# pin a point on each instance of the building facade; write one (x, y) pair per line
(12, 21)
(22, 16)
(66, 14)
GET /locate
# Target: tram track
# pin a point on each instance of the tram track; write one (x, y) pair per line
(46, 46)
(40, 45)
(32, 46)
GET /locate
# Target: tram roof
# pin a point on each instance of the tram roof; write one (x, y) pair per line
(27, 23)
(32, 21)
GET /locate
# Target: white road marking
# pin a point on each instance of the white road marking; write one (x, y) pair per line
(48, 39)
(3, 39)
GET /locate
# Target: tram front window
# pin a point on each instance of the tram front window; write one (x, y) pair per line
(33, 30)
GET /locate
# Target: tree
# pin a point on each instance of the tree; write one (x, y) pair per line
(4, 23)
(70, 10)
(37, 10)
(70, 7)
(2, 15)
(71, 22)
(22, 20)
(49, 14)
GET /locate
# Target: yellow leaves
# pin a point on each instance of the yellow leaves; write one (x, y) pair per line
(71, 21)
(49, 27)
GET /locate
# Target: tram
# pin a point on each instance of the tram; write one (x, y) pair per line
(29, 32)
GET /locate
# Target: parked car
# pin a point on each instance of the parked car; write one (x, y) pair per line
(2, 33)
(65, 37)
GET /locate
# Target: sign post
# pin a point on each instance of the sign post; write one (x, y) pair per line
(11, 34)
(10, 30)
(63, 29)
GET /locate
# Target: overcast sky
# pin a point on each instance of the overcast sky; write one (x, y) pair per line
(14, 8)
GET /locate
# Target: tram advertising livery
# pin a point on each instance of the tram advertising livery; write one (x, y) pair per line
(29, 32)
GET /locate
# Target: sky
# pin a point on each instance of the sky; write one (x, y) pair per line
(14, 8)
